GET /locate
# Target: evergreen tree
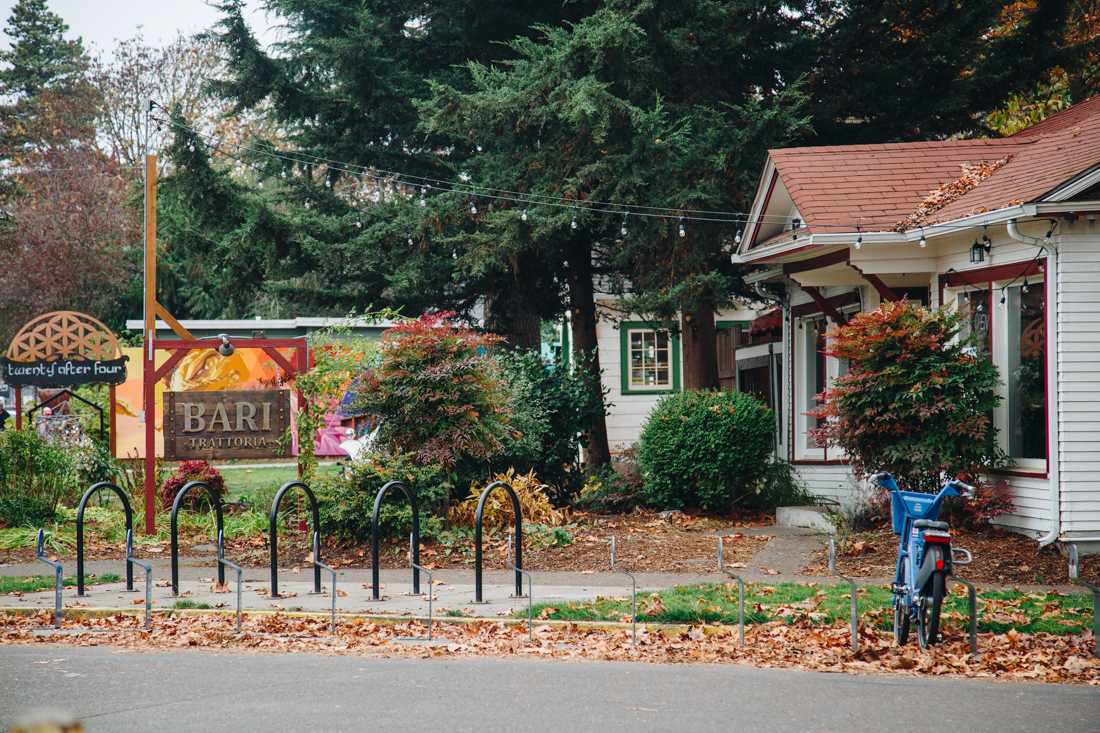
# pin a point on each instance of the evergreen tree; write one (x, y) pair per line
(39, 56)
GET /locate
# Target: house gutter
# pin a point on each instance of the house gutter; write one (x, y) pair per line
(1053, 461)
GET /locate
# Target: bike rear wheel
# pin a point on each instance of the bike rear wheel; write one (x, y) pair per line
(928, 615)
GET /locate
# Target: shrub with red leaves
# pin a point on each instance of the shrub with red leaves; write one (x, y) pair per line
(192, 471)
(916, 401)
(437, 391)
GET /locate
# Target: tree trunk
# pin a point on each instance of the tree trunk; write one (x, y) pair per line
(521, 329)
(582, 302)
(700, 348)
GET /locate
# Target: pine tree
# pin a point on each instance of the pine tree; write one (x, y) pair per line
(39, 57)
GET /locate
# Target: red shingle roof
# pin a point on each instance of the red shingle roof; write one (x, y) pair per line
(881, 186)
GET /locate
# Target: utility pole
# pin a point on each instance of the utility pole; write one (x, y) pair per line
(149, 329)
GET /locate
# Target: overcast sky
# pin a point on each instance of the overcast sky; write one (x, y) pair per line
(100, 22)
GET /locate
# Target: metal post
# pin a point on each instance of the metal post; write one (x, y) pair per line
(854, 620)
(1075, 578)
(740, 589)
(148, 567)
(222, 562)
(633, 595)
(58, 573)
(530, 593)
(431, 582)
(972, 623)
(318, 566)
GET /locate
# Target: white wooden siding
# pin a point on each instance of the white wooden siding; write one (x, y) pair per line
(831, 481)
(1079, 380)
(628, 413)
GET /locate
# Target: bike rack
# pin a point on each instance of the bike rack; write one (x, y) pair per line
(273, 531)
(633, 595)
(216, 500)
(414, 551)
(332, 617)
(94, 488)
(530, 594)
(375, 540)
(58, 573)
(740, 588)
(1075, 578)
(854, 622)
(148, 567)
(517, 510)
(222, 563)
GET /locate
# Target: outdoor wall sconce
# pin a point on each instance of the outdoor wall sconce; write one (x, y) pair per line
(225, 346)
(978, 251)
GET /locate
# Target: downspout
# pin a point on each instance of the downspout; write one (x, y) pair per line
(1054, 455)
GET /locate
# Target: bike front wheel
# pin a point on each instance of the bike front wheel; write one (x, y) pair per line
(901, 622)
(928, 612)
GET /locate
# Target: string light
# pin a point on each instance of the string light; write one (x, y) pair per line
(623, 229)
(737, 237)
(1024, 288)
(523, 216)
(922, 243)
(473, 205)
(573, 224)
(682, 230)
(423, 194)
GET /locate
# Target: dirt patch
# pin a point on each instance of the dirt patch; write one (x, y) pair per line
(648, 542)
(1000, 557)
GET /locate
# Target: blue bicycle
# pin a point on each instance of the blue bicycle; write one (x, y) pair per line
(925, 557)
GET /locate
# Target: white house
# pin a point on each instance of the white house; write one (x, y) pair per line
(642, 361)
(1008, 229)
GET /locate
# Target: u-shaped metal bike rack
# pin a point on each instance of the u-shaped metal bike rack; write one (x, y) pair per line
(517, 510)
(375, 540)
(274, 534)
(92, 490)
(215, 499)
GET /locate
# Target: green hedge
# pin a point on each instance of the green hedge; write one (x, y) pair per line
(704, 449)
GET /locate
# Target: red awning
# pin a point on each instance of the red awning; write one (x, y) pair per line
(770, 321)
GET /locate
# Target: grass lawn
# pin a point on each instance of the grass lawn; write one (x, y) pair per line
(244, 481)
(998, 611)
(35, 583)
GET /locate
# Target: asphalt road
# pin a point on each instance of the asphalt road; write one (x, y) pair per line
(112, 690)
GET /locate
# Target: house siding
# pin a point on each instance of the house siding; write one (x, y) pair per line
(628, 413)
(1079, 381)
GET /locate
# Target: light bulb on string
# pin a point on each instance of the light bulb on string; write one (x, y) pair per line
(922, 243)
(859, 242)
(573, 223)
(1024, 288)
(523, 216)
(737, 237)
(681, 229)
(410, 240)
(473, 205)
(423, 194)
(623, 230)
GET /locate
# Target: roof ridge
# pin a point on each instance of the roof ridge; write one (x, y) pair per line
(1060, 121)
(993, 142)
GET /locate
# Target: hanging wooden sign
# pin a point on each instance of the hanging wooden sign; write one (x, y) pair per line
(227, 424)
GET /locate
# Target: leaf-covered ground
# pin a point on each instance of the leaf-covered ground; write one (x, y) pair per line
(998, 611)
(799, 644)
(1000, 557)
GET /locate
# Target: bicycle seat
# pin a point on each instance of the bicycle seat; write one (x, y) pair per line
(930, 524)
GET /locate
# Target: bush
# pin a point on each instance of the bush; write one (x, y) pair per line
(704, 449)
(347, 501)
(437, 393)
(915, 401)
(551, 409)
(192, 471)
(35, 477)
(607, 490)
(778, 486)
(533, 502)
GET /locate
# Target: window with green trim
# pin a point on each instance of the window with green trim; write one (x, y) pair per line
(650, 359)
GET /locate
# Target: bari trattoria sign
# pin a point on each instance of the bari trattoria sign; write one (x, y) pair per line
(236, 424)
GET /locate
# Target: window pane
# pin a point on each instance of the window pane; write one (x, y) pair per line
(1026, 372)
(637, 376)
(974, 307)
(662, 376)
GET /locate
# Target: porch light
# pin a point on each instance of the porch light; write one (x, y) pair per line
(978, 251)
(922, 243)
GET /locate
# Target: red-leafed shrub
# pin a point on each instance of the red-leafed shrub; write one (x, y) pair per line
(916, 401)
(192, 471)
(437, 392)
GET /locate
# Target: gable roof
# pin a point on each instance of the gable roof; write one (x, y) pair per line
(898, 186)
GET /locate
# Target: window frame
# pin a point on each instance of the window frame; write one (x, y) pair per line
(999, 354)
(628, 327)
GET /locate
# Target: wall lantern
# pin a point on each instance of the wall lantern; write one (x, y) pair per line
(978, 251)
